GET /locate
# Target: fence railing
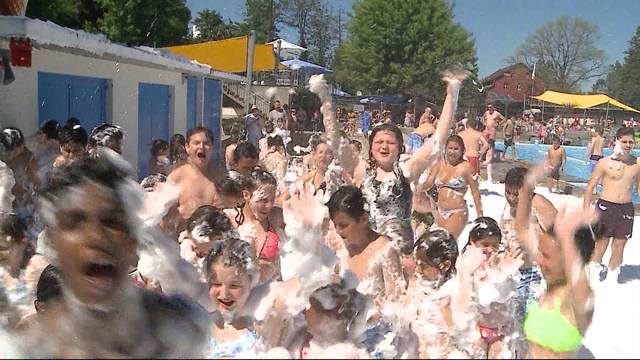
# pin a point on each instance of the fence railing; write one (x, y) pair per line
(237, 91)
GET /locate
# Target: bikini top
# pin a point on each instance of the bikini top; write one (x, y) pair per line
(550, 329)
(271, 248)
(457, 184)
(245, 343)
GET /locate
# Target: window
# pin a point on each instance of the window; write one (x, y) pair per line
(505, 86)
(519, 87)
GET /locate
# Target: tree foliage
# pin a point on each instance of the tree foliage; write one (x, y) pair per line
(74, 14)
(401, 46)
(211, 26)
(263, 16)
(151, 22)
(323, 36)
(565, 52)
(623, 78)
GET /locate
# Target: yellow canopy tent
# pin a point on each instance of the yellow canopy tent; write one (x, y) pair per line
(229, 55)
(581, 101)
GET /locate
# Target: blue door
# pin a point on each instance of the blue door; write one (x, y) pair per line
(192, 102)
(153, 121)
(212, 114)
(63, 96)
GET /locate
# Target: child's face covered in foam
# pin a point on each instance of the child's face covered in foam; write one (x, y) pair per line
(229, 287)
(93, 239)
(262, 201)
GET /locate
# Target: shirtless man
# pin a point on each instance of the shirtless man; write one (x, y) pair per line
(594, 151)
(195, 178)
(491, 119)
(475, 144)
(509, 132)
(426, 116)
(555, 160)
(618, 173)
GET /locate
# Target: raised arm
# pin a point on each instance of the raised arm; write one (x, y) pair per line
(430, 149)
(523, 213)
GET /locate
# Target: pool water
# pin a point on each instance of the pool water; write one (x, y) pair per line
(575, 166)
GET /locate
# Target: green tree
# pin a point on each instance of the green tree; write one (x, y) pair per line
(263, 16)
(627, 76)
(401, 46)
(565, 53)
(151, 22)
(322, 37)
(212, 27)
(74, 14)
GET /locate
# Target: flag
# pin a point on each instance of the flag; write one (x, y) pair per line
(533, 73)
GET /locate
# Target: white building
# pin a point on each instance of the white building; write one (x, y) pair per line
(149, 93)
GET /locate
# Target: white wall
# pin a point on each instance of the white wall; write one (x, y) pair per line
(18, 101)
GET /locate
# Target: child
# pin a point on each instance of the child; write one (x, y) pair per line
(73, 145)
(555, 161)
(159, 162)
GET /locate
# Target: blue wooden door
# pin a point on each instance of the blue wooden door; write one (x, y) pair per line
(192, 102)
(153, 121)
(212, 114)
(63, 96)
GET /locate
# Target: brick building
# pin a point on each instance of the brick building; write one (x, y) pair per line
(512, 84)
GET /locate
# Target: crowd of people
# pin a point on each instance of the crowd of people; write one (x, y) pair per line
(329, 253)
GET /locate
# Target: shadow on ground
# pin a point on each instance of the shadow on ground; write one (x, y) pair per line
(629, 273)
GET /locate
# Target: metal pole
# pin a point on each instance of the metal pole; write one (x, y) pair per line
(275, 70)
(606, 116)
(250, 50)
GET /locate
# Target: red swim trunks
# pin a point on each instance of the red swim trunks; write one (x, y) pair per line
(475, 162)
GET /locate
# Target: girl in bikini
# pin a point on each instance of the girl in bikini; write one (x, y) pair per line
(261, 222)
(555, 325)
(452, 176)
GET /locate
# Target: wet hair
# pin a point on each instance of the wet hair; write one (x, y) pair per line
(50, 129)
(72, 122)
(11, 226)
(585, 241)
(84, 171)
(348, 200)
(338, 301)
(275, 141)
(261, 177)
(600, 130)
(472, 123)
(555, 139)
(435, 247)
(245, 150)
(158, 145)
(238, 133)
(456, 139)
(105, 135)
(514, 179)
(197, 130)
(49, 285)
(11, 138)
(231, 185)
(268, 127)
(624, 131)
(390, 128)
(484, 227)
(176, 143)
(149, 182)
(216, 222)
(314, 141)
(231, 252)
(400, 233)
(73, 134)
(357, 144)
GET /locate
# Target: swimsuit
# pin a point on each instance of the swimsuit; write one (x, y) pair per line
(475, 162)
(271, 248)
(390, 199)
(615, 220)
(550, 329)
(456, 184)
(243, 345)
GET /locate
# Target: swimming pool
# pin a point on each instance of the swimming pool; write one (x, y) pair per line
(575, 166)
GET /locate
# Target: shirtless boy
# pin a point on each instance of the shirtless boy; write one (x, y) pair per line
(491, 119)
(195, 178)
(618, 173)
(509, 132)
(555, 160)
(474, 143)
(594, 151)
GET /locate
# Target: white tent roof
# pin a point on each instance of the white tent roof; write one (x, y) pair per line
(284, 44)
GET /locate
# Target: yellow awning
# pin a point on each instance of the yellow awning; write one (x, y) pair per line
(229, 55)
(579, 101)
